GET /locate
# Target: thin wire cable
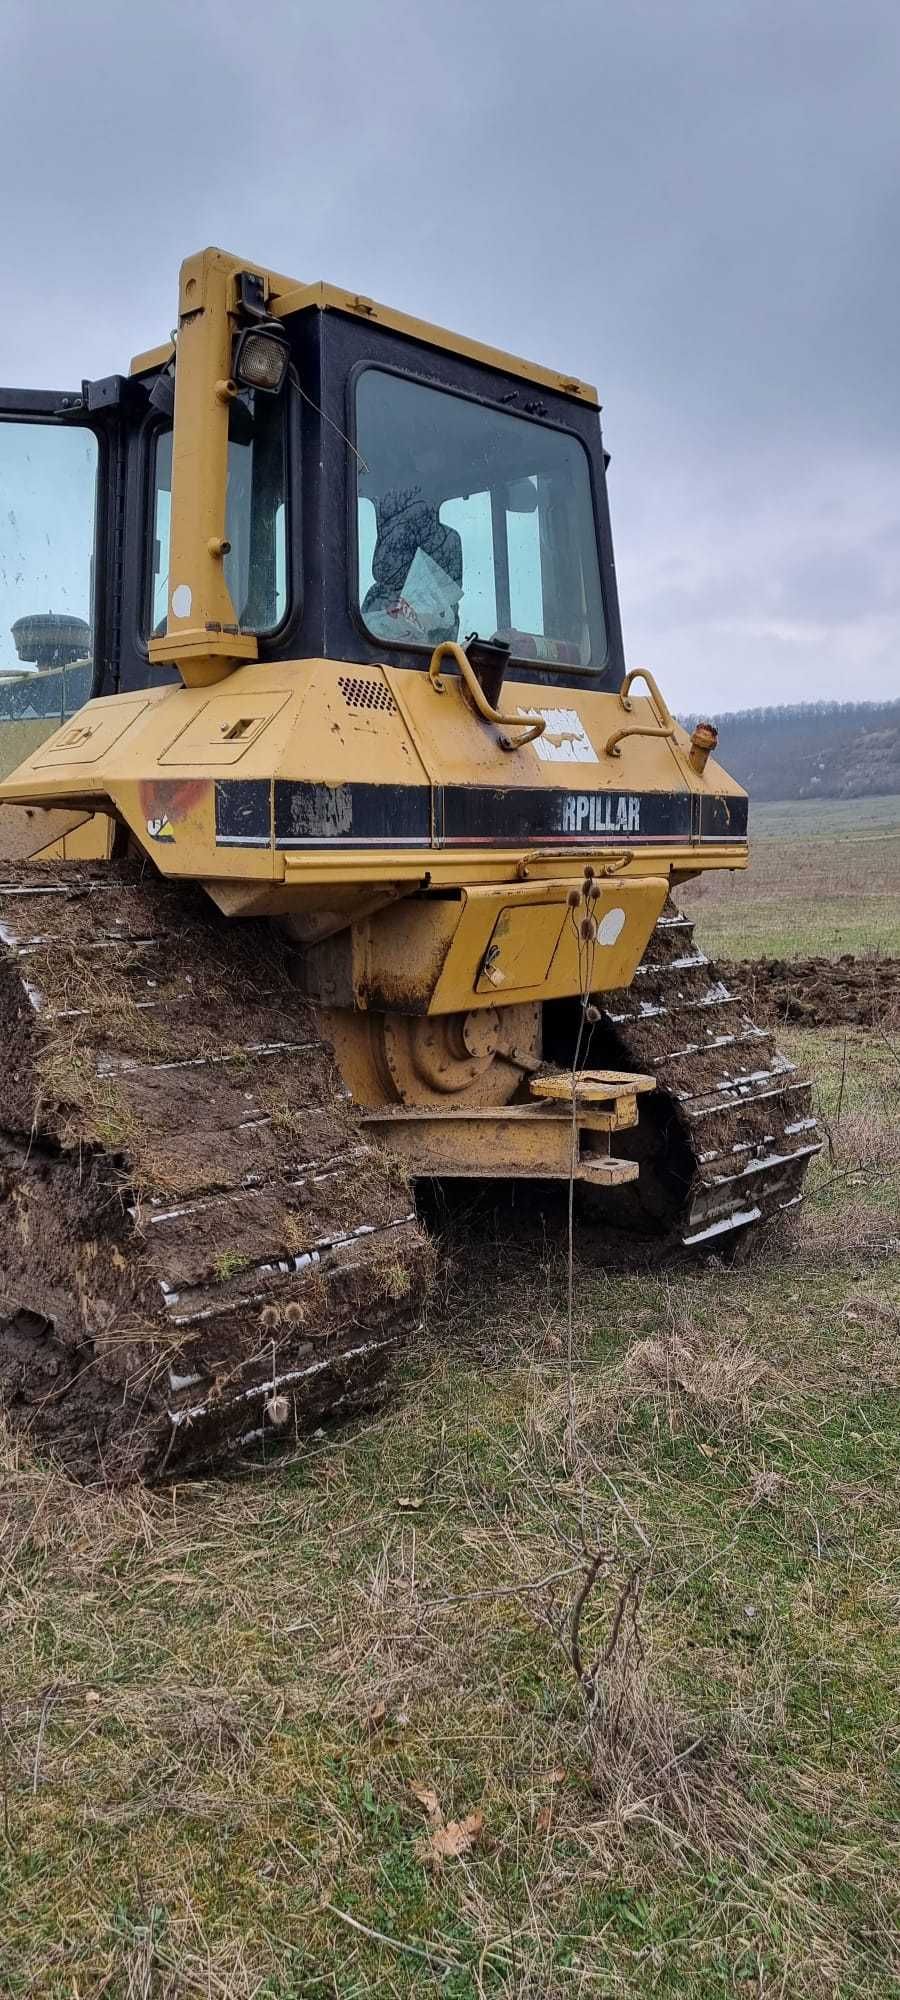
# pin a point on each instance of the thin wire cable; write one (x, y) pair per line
(326, 419)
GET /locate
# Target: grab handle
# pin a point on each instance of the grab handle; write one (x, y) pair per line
(664, 726)
(531, 726)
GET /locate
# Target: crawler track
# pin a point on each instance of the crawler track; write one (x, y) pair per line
(197, 1246)
(726, 1142)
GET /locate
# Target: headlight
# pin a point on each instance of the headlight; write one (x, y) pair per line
(261, 359)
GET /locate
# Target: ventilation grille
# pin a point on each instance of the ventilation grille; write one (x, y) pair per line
(366, 694)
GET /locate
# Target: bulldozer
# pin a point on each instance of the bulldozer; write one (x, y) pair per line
(337, 857)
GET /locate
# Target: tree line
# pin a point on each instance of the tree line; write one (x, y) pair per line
(812, 749)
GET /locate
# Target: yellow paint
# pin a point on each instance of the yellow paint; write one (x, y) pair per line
(307, 724)
(331, 298)
(486, 947)
(515, 731)
(512, 1142)
(201, 636)
(289, 295)
(91, 840)
(153, 358)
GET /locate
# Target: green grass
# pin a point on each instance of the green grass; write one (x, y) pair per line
(824, 878)
(216, 1702)
(853, 820)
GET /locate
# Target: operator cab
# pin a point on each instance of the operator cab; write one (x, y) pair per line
(401, 488)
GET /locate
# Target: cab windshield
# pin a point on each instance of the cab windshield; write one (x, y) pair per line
(471, 519)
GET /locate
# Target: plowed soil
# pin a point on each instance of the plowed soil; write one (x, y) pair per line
(818, 991)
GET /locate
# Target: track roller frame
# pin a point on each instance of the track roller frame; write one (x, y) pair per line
(529, 1141)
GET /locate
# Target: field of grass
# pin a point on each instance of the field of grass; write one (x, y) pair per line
(824, 878)
(319, 1731)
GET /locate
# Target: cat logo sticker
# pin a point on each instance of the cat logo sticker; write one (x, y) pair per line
(167, 803)
(161, 828)
(565, 739)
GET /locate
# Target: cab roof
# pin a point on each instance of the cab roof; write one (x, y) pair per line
(287, 297)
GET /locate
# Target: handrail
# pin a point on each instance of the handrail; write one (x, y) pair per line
(531, 726)
(665, 723)
(611, 746)
(659, 702)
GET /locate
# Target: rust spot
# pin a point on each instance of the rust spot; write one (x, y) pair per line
(171, 798)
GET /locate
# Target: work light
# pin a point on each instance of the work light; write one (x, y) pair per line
(261, 358)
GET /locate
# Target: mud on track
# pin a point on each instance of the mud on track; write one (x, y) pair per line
(197, 1243)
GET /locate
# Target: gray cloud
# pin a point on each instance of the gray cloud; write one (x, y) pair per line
(695, 206)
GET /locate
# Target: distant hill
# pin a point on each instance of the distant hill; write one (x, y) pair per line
(816, 749)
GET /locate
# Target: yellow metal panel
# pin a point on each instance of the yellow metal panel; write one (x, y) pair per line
(521, 946)
(92, 734)
(173, 816)
(290, 295)
(348, 727)
(331, 298)
(492, 946)
(153, 358)
(91, 840)
(331, 725)
(457, 747)
(624, 913)
(225, 729)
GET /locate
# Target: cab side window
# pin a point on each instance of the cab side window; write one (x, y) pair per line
(48, 482)
(256, 517)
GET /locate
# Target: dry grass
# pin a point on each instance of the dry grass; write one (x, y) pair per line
(822, 880)
(713, 1386)
(215, 1702)
(853, 1196)
(654, 1767)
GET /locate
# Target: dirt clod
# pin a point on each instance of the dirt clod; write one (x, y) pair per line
(817, 992)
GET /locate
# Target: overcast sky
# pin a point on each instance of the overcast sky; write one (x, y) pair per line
(693, 203)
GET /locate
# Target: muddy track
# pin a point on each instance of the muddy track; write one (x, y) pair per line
(725, 1143)
(818, 992)
(198, 1248)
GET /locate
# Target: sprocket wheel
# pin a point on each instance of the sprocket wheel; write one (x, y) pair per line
(479, 1058)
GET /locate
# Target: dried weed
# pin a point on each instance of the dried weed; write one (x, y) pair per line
(712, 1387)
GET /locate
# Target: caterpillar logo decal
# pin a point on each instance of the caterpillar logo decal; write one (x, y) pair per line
(299, 814)
(167, 802)
(160, 827)
(601, 812)
(565, 739)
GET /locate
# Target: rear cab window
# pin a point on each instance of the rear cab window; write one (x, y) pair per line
(471, 519)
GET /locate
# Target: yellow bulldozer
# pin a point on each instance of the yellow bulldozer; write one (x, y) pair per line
(337, 848)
